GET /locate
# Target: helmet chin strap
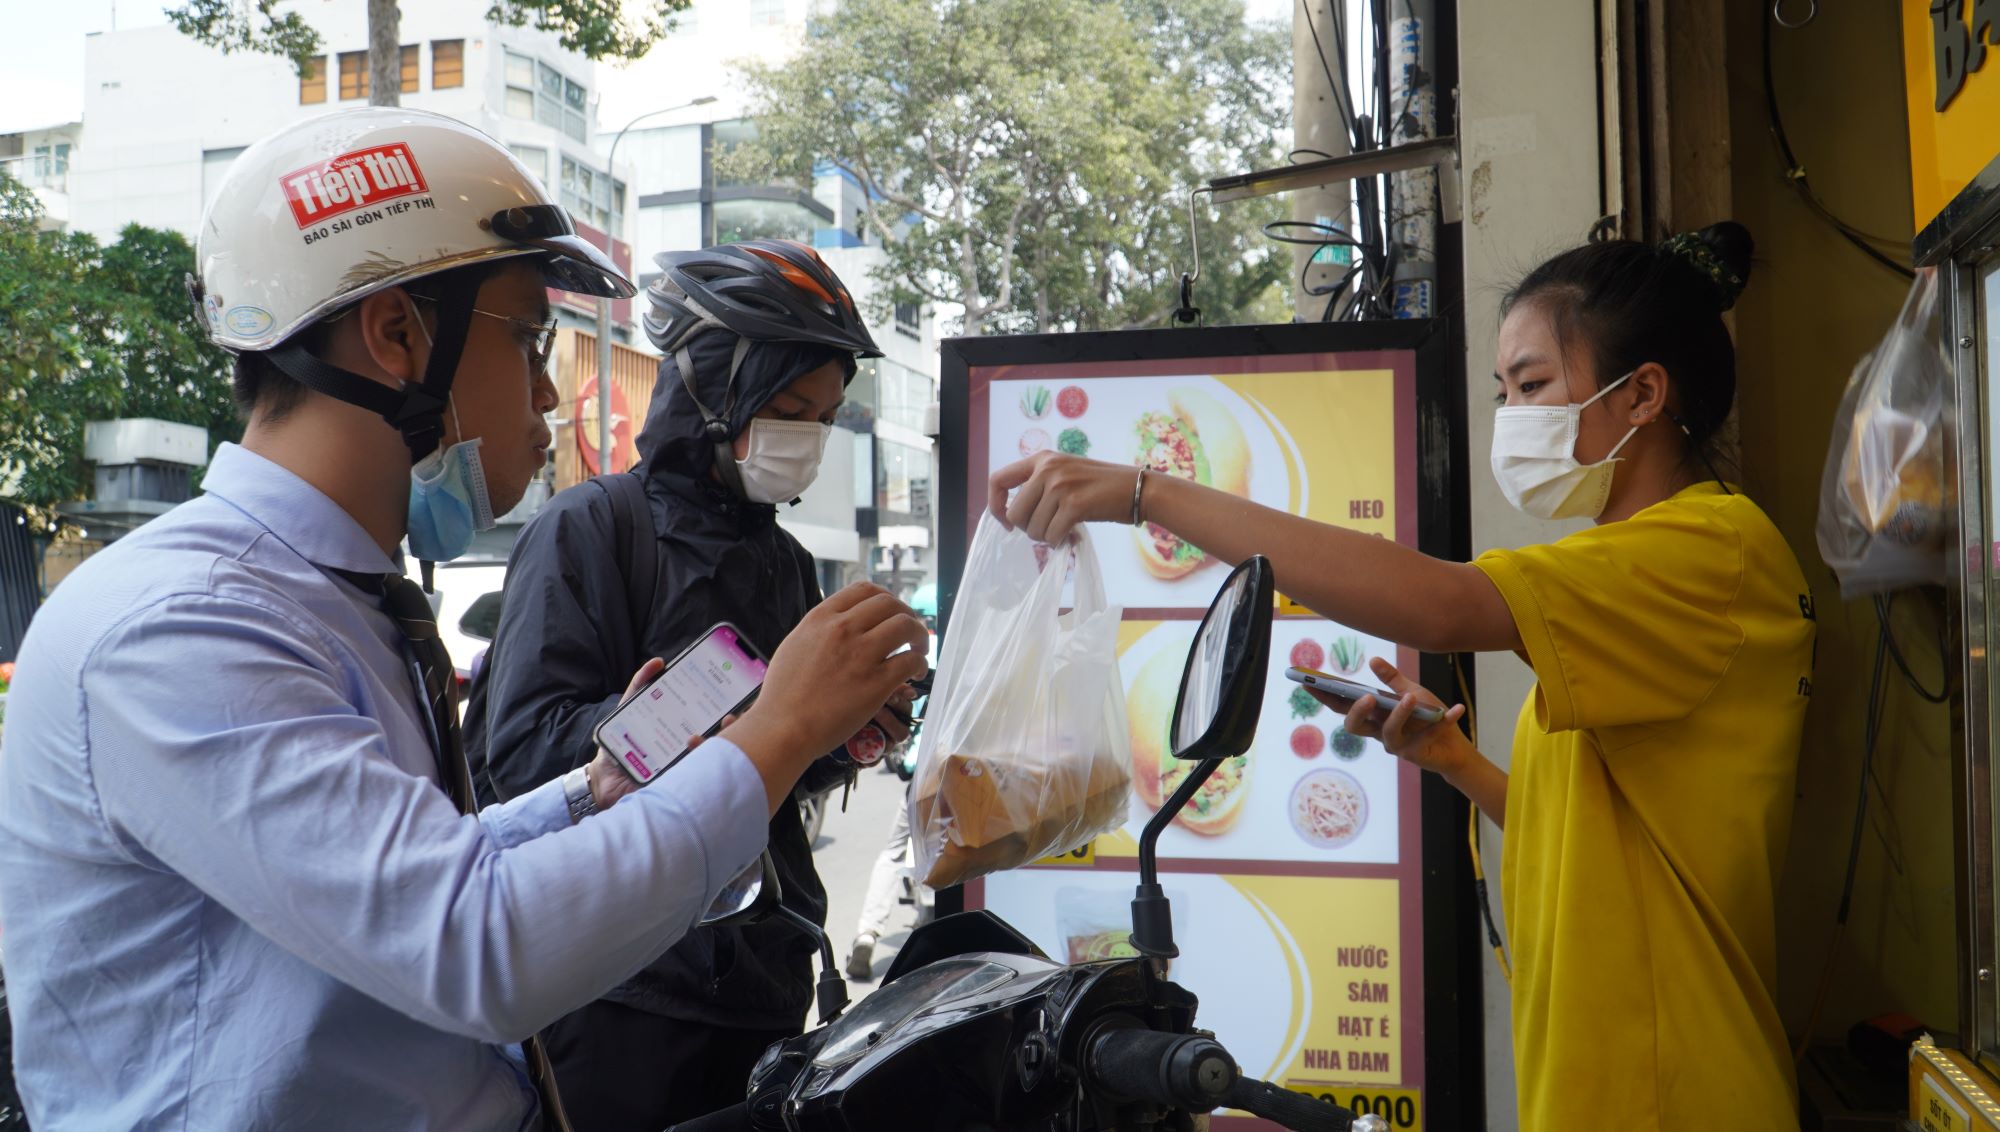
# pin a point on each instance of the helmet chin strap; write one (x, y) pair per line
(715, 426)
(417, 409)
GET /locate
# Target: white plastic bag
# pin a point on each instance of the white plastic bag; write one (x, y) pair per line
(1884, 511)
(1024, 751)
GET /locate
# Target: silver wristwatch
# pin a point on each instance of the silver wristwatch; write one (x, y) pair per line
(576, 791)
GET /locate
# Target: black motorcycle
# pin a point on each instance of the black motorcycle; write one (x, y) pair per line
(976, 1029)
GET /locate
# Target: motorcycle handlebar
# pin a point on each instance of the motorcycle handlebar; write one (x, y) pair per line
(1176, 1070)
(1195, 1073)
(1295, 1111)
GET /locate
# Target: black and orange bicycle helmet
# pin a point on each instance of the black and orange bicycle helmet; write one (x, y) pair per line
(760, 291)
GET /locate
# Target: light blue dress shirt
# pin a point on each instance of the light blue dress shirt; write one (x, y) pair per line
(233, 895)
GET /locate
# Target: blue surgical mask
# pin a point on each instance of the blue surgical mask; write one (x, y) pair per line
(448, 502)
(448, 499)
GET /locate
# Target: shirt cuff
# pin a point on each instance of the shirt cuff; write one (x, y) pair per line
(718, 789)
(521, 820)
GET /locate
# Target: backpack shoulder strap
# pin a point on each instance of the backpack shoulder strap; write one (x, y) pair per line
(634, 537)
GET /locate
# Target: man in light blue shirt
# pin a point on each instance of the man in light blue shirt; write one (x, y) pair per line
(234, 893)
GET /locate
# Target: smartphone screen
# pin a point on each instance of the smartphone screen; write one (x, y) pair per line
(651, 731)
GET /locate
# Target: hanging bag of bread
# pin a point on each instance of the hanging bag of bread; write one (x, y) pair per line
(1885, 510)
(1024, 750)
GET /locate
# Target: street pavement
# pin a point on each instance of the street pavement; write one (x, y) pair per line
(845, 854)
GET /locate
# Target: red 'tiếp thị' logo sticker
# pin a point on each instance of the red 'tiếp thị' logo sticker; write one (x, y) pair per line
(339, 185)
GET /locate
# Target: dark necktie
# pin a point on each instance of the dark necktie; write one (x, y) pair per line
(406, 604)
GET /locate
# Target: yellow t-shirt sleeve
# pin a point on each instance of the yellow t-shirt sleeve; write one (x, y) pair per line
(1625, 623)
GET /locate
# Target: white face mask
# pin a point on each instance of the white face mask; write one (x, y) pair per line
(1534, 458)
(783, 459)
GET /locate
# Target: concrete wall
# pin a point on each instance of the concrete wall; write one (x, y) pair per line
(1814, 306)
(1528, 106)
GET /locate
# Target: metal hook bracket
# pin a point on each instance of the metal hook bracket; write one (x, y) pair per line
(1187, 314)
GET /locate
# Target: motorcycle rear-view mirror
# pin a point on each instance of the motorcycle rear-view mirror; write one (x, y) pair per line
(1222, 685)
(1215, 718)
(751, 898)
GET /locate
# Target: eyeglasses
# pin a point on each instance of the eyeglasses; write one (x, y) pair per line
(540, 336)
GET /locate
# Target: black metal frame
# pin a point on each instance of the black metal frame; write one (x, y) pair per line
(1454, 1009)
(1960, 242)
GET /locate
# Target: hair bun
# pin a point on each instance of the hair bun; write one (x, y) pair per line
(1721, 253)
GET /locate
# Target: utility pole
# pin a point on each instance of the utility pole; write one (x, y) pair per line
(1319, 126)
(1413, 196)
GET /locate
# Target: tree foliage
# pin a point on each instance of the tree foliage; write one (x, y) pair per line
(1031, 160)
(94, 333)
(233, 26)
(597, 29)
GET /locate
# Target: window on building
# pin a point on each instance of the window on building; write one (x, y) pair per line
(51, 161)
(902, 395)
(576, 111)
(666, 159)
(665, 228)
(609, 201)
(764, 13)
(353, 75)
(728, 135)
(447, 63)
(548, 96)
(520, 86)
(724, 137)
(908, 320)
(410, 64)
(535, 158)
(312, 84)
(902, 478)
(539, 92)
(739, 220)
(592, 198)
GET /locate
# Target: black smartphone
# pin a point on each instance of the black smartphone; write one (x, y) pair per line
(1348, 690)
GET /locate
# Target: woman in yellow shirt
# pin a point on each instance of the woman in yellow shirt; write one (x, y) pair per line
(1650, 793)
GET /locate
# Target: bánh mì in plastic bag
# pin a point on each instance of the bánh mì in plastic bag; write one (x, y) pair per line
(1884, 511)
(1024, 752)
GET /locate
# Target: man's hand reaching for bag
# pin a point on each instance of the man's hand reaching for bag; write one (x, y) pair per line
(828, 678)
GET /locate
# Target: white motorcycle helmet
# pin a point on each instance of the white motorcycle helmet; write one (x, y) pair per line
(325, 212)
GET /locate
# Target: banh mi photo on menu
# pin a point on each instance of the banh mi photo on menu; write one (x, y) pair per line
(1156, 773)
(1198, 440)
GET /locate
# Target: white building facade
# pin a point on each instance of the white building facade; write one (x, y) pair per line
(165, 116)
(40, 159)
